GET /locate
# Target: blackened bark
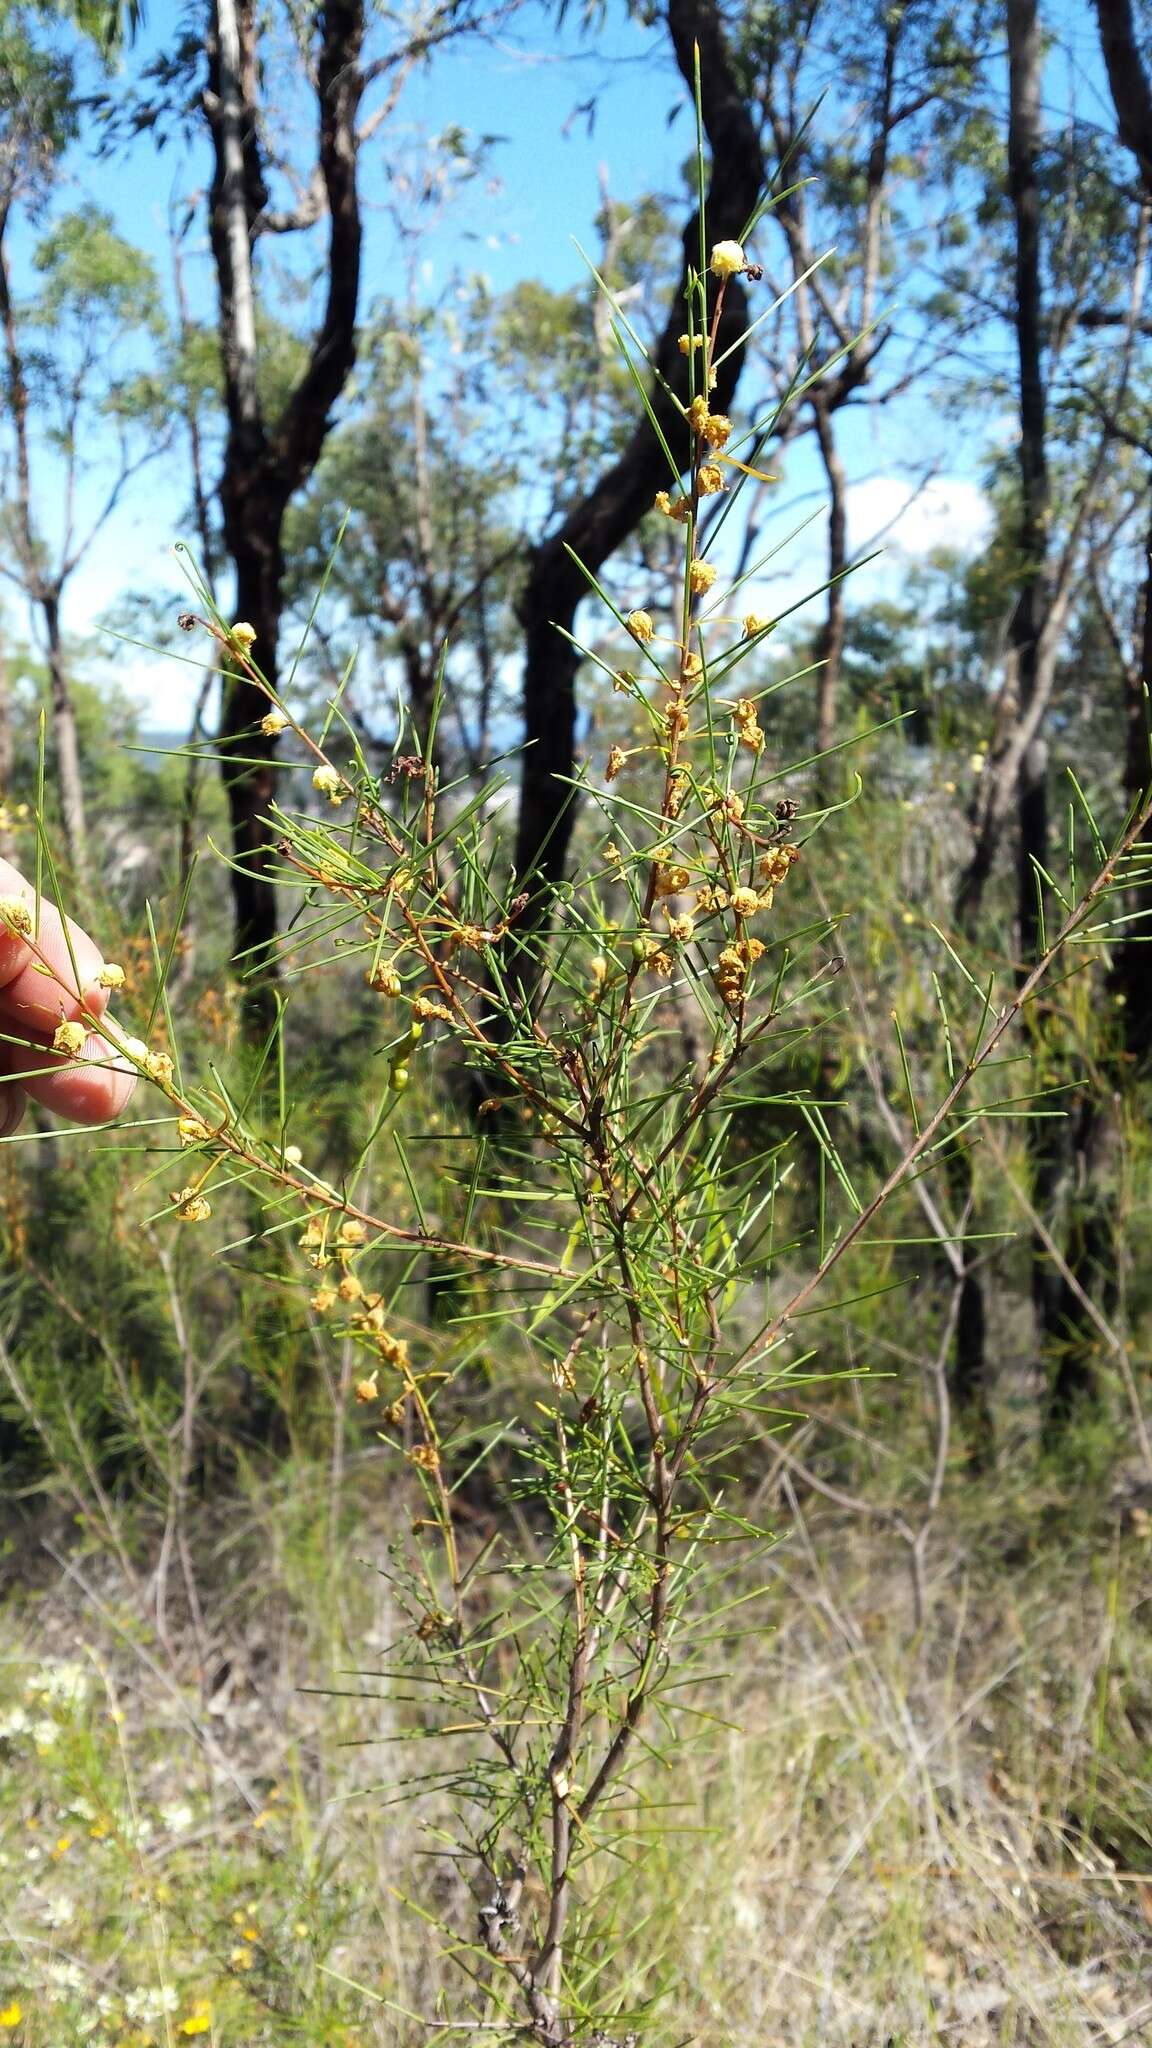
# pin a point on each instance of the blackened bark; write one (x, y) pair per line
(1132, 957)
(266, 462)
(830, 644)
(1131, 91)
(969, 1378)
(1025, 56)
(1128, 82)
(1090, 1256)
(602, 521)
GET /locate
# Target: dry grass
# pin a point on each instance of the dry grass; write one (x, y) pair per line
(883, 1839)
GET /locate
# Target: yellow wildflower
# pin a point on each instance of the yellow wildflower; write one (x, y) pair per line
(111, 976)
(274, 722)
(747, 723)
(731, 972)
(687, 342)
(616, 760)
(701, 576)
(352, 1231)
(331, 784)
(670, 880)
(640, 626)
(69, 1038)
(199, 2020)
(243, 634)
(710, 480)
(158, 1067)
(691, 667)
(425, 1006)
(351, 1287)
(661, 963)
(745, 902)
(697, 414)
(192, 1205)
(384, 978)
(368, 1390)
(16, 915)
(241, 1959)
(727, 259)
(716, 429)
(12, 2014)
(775, 864)
(324, 1299)
(681, 929)
(191, 1130)
(756, 622)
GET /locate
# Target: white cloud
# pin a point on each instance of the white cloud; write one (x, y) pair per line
(892, 513)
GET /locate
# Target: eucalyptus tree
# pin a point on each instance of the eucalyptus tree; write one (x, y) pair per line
(272, 443)
(84, 413)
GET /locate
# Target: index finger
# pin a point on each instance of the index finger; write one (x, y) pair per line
(35, 938)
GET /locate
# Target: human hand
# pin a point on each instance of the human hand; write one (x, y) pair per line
(88, 1086)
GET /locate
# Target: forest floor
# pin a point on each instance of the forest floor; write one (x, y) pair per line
(884, 1835)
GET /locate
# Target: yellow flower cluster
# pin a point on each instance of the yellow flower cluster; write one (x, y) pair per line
(673, 508)
(640, 626)
(69, 1039)
(775, 864)
(727, 260)
(732, 970)
(711, 427)
(16, 915)
(192, 1205)
(331, 784)
(748, 728)
(157, 1065)
(701, 576)
(384, 978)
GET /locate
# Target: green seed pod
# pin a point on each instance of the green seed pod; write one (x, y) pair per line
(639, 951)
(399, 1077)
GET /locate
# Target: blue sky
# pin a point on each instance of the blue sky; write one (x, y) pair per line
(527, 86)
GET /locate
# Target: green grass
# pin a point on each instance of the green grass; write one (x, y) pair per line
(871, 1837)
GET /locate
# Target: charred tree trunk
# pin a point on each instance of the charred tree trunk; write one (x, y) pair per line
(1131, 91)
(604, 518)
(830, 645)
(1025, 53)
(1090, 1256)
(1046, 1138)
(1132, 958)
(266, 461)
